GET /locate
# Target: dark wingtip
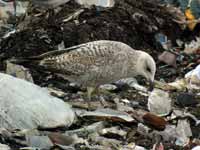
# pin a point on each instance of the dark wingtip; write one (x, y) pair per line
(18, 61)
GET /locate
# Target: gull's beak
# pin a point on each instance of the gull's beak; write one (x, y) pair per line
(151, 85)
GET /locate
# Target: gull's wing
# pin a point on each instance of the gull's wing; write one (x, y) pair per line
(80, 59)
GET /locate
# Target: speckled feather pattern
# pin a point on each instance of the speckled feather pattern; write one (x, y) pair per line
(93, 63)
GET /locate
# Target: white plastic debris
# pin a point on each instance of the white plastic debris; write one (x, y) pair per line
(24, 105)
(8, 34)
(40, 142)
(193, 46)
(108, 113)
(132, 146)
(168, 135)
(193, 78)
(142, 129)
(139, 148)
(109, 87)
(103, 3)
(61, 46)
(7, 9)
(21, 7)
(132, 82)
(159, 102)
(184, 132)
(196, 148)
(113, 130)
(180, 114)
(191, 81)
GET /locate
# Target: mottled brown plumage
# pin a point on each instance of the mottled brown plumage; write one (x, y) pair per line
(99, 62)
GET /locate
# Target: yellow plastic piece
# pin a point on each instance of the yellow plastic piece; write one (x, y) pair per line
(190, 17)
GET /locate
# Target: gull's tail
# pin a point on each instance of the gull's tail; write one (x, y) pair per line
(26, 61)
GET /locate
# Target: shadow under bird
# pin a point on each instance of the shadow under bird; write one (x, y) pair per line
(95, 63)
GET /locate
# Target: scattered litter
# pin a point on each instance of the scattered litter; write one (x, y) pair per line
(4, 147)
(113, 131)
(191, 81)
(107, 142)
(193, 47)
(8, 9)
(96, 127)
(193, 78)
(108, 87)
(19, 72)
(61, 139)
(158, 146)
(154, 121)
(131, 82)
(132, 146)
(168, 135)
(109, 114)
(184, 132)
(180, 85)
(162, 39)
(180, 114)
(41, 142)
(142, 129)
(186, 99)
(196, 148)
(159, 102)
(169, 58)
(103, 3)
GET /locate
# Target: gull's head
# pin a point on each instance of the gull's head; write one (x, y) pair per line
(146, 67)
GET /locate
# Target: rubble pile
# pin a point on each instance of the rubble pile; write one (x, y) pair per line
(123, 115)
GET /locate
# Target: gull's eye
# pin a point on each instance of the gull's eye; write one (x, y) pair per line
(148, 69)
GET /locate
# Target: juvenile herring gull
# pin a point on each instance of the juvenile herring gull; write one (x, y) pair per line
(98, 62)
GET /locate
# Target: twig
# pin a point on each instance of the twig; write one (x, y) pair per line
(74, 15)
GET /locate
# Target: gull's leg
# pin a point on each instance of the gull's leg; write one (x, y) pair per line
(90, 91)
(15, 12)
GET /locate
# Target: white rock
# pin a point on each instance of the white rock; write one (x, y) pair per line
(24, 105)
(159, 102)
